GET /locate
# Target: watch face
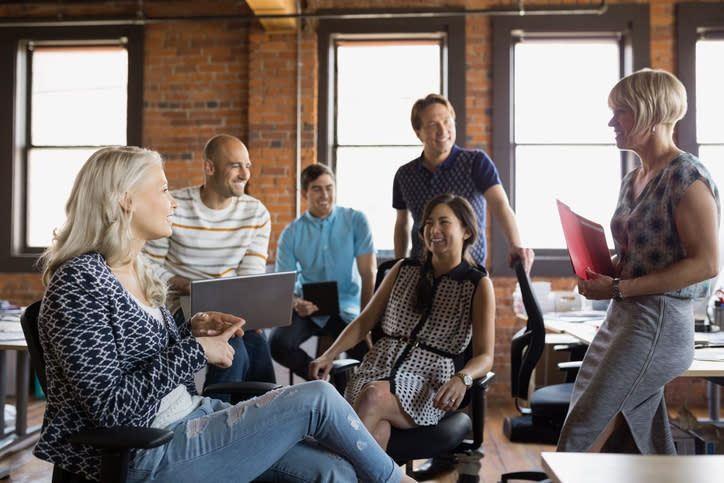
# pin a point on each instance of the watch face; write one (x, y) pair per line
(468, 380)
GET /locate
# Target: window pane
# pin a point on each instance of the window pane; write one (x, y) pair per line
(586, 178)
(377, 83)
(561, 90)
(364, 182)
(713, 159)
(51, 173)
(79, 96)
(709, 93)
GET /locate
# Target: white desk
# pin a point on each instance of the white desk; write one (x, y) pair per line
(585, 331)
(12, 440)
(628, 468)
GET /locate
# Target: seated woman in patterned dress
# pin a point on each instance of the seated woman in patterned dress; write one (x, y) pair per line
(430, 310)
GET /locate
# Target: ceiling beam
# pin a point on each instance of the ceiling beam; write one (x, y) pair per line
(275, 7)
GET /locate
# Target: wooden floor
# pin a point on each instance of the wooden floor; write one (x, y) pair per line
(500, 454)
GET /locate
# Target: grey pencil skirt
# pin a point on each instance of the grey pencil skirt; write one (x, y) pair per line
(643, 344)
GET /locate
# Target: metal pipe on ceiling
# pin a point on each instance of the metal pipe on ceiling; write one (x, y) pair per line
(341, 15)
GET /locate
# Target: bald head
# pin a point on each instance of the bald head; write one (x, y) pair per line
(226, 168)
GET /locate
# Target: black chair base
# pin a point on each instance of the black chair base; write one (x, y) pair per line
(525, 475)
(522, 429)
(434, 467)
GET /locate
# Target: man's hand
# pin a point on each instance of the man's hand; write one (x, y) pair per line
(210, 324)
(180, 285)
(304, 308)
(217, 348)
(526, 255)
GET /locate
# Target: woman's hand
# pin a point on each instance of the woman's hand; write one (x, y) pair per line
(450, 395)
(217, 348)
(597, 287)
(319, 368)
(209, 324)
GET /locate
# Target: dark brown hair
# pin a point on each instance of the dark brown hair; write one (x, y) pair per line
(464, 212)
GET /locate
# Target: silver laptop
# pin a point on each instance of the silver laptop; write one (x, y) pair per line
(263, 300)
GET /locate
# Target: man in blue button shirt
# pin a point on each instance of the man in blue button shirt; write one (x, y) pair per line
(326, 243)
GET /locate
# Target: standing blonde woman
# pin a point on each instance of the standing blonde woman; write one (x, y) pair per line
(115, 356)
(665, 229)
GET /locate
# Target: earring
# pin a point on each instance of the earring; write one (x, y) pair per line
(653, 129)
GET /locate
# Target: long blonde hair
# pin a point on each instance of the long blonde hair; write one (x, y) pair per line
(95, 220)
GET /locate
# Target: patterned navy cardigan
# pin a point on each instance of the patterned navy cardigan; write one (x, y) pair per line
(108, 362)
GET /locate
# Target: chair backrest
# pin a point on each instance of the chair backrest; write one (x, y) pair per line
(528, 343)
(29, 322)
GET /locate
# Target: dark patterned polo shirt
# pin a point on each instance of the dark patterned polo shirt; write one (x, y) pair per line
(466, 172)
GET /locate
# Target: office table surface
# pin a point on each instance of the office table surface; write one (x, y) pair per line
(586, 330)
(625, 468)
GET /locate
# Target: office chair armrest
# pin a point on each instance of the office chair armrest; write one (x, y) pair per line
(339, 375)
(570, 365)
(477, 411)
(483, 382)
(122, 437)
(241, 391)
(344, 365)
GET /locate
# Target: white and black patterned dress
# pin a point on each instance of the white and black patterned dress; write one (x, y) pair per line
(415, 354)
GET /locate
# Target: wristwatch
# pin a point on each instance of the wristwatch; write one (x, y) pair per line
(467, 380)
(616, 294)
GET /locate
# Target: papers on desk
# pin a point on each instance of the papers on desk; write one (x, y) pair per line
(577, 316)
(10, 328)
(715, 354)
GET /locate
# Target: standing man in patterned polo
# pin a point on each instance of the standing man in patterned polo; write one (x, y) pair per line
(444, 167)
(218, 231)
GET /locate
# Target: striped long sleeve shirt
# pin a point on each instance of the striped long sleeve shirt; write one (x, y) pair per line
(207, 243)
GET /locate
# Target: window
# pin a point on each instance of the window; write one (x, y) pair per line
(377, 70)
(551, 141)
(563, 131)
(376, 84)
(700, 45)
(75, 92)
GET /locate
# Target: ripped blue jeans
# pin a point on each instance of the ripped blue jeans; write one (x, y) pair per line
(280, 436)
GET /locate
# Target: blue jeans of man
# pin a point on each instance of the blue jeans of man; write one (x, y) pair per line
(284, 435)
(284, 342)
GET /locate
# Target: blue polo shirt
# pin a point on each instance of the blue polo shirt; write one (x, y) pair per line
(325, 250)
(466, 172)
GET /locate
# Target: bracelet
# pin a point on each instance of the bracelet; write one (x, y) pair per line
(616, 293)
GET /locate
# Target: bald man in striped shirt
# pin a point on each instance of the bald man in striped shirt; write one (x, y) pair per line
(218, 231)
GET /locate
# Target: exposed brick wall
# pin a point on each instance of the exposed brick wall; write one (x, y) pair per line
(212, 76)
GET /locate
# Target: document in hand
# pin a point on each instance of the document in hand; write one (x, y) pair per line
(586, 243)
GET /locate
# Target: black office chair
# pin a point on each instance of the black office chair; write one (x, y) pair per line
(542, 420)
(116, 443)
(450, 435)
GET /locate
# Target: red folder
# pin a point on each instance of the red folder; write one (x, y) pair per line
(586, 243)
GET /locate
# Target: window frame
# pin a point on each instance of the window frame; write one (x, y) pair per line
(14, 122)
(453, 75)
(630, 22)
(691, 19)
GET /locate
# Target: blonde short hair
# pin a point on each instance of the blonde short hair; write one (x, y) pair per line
(95, 220)
(654, 96)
